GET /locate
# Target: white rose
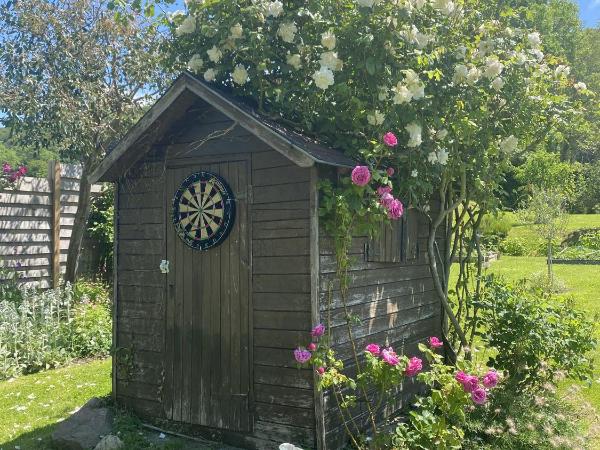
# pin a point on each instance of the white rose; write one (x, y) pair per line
(562, 70)
(461, 72)
(214, 54)
(287, 31)
(444, 6)
(414, 131)
(509, 144)
(422, 39)
(473, 76)
(534, 40)
(493, 68)
(377, 118)
(210, 75)
(236, 31)
(414, 84)
(331, 61)
(581, 86)
(414, 173)
(239, 75)
(328, 40)
(275, 9)
(187, 26)
(294, 60)
(441, 134)
(521, 58)
(432, 157)
(419, 3)
(442, 156)
(195, 63)
(401, 94)
(485, 46)
(498, 84)
(323, 78)
(538, 54)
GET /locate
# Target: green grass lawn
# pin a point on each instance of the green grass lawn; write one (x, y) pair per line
(583, 283)
(32, 405)
(575, 222)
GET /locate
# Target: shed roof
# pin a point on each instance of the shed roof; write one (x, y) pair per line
(173, 105)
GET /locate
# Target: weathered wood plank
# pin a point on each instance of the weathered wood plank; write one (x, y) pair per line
(290, 301)
(282, 320)
(281, 247)
(280, 193)
(282, 265)
(281, 283)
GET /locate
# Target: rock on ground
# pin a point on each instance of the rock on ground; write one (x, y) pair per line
(83, 430)
(110, 442)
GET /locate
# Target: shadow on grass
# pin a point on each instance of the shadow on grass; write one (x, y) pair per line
(37, 439)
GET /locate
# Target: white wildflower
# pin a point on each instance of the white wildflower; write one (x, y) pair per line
(581, 86)
(294, 60)
(331, 61)
(493, 68)
(534, 40)
(239, 75)
(414, 173)
(236, 31)
(377, 118)
(497, 84)
(187, 26)
(414, 130)
(195, 63)
(323, 78)
(210, 75)
(432, 157)
(214, 54)
(509, 144)
(287, 31)
(275, 9)
(328, 40)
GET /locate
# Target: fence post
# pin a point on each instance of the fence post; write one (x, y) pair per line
(55, 186)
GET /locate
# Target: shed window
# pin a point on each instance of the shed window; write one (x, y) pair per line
(397, 241)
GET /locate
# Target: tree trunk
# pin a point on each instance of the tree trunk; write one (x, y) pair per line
(550, 268)
(79, 225)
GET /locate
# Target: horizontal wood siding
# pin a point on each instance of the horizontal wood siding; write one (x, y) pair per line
(140, 290)
(284, 401)
(396, 304)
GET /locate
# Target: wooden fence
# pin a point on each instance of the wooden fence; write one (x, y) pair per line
(36, 220)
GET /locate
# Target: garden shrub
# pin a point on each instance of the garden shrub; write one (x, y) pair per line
(513, 247)
(494, 229)
(48, 328)
(535, 336)
(540, 282)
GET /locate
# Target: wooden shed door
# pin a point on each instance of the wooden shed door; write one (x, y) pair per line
(207, 379)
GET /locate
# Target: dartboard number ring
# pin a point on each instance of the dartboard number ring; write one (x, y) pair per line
(203, 210)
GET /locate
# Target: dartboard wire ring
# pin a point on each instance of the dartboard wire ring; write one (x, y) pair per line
(203, 210)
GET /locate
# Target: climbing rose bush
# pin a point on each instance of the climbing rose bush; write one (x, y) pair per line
(10, 175)
(438, 417)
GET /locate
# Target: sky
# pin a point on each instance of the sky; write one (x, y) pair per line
(589, 12)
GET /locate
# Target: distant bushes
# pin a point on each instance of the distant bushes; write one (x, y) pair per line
(44, 329)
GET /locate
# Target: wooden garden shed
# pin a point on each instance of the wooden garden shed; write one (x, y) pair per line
(228, 200)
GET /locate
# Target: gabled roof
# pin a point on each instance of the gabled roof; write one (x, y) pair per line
(173, 105)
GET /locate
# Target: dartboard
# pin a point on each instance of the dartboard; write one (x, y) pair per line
(203, 210)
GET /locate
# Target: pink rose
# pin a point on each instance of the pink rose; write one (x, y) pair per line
(415, 365)
(6, 168)
(312, 347)
(301, 355)
(390, 139)
(22, 170)
(361, 175)
(395, 209)
(461, 377)
(490, 379)
(390, 356)
(471, 383)
(386, 200)
(381, 190)
(318, 331)
(373, 349)
(479, 396)
(321, 370)
(390, 171)
(434, 342)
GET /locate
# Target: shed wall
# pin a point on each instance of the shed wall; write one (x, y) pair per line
(397, 306)
(282, 403)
